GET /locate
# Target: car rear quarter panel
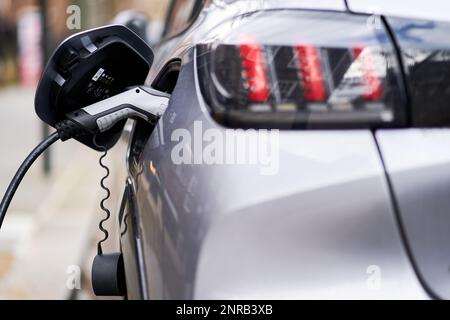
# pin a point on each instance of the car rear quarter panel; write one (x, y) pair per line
(317, 228)
(418, 163)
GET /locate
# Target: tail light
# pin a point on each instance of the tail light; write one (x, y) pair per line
(298, 69)
(425, 50)
(254, 70)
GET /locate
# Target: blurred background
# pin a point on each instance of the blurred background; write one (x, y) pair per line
(48, 239)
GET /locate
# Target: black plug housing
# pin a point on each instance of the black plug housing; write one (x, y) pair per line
(89, 67)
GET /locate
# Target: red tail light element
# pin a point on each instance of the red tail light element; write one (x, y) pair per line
(254, 69)
(341, 75)
(311, 73)
(370, 79)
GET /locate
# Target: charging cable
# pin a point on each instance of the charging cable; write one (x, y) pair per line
(139, 102)
(12, 188)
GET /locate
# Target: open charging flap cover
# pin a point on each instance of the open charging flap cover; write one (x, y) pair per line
(88, 67)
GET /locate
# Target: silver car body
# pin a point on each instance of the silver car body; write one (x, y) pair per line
(325, 226)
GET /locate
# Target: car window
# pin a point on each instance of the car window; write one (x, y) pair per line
(180, 15)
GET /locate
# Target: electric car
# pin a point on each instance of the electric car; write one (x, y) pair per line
(349, 197)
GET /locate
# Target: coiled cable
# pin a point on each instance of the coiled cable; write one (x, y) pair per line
(108, 194)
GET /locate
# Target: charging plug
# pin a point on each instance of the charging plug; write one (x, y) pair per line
(139, 103)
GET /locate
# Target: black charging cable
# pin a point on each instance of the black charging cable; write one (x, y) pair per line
(65, 130)
(148, 105)
(23, 169)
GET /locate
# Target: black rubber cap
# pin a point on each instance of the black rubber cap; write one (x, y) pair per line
(108, 275)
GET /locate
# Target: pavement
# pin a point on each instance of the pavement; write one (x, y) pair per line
(48, 238)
